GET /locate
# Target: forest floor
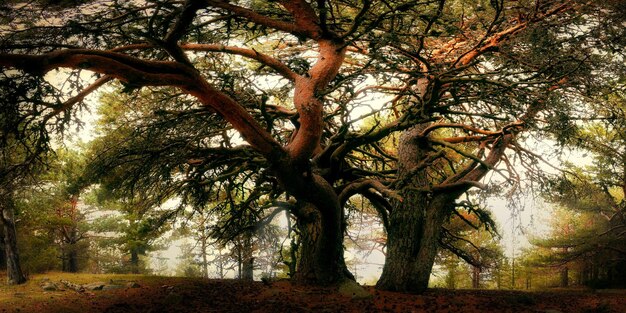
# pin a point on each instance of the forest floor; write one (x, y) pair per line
(171, 294)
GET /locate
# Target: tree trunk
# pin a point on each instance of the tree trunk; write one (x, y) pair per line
(320, 222)
(72, 253)
(14, 271)
(564, 277)
(205, 262)
(3, 259)
(475, 277)
(247, 259)
(134, 261)
(412, 243)
(220, 264)
(321, 259)
(414, 223)
(72, 260)
(499, 276)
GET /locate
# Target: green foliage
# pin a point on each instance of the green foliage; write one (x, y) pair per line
(188, 266)
(587, 227)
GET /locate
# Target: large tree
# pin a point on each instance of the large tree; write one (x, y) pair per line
(464, 83)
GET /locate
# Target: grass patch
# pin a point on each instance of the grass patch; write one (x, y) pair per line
(20, 296)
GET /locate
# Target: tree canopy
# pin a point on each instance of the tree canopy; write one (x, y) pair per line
(265, 101)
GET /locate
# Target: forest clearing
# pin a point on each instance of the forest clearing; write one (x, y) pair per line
(179, 294)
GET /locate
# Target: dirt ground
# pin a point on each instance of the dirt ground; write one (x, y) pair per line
(166, 294)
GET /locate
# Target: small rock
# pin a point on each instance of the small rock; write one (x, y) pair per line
(168, 288)
(133, 284)
(49, 286)
(353, 289)
(95, 286)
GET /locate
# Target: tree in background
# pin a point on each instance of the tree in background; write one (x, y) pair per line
(471, 252)
(52, 224)
(589, 224)
(23, 148)
(133, 227)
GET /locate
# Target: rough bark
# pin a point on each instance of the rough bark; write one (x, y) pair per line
(412, 243)
(321, 254)
(415, 222)
(15, 275)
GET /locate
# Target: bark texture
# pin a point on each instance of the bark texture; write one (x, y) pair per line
(415, 223)
(15, 275)
(321, 258)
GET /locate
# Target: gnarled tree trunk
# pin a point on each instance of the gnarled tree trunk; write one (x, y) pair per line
(321, 258)
(320, 223)
(14, 271)
(412, 243)
(415, 223)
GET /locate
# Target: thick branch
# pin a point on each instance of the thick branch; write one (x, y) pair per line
(123, 67)
(365, 184)
(307, 22)
(307, 99)
(140, 72)
(435, 126)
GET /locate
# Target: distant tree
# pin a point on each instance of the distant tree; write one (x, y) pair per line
(188, 265)
(52, 216)
(136, 231)
(589, 227)
(3, 258)
(470, 247)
